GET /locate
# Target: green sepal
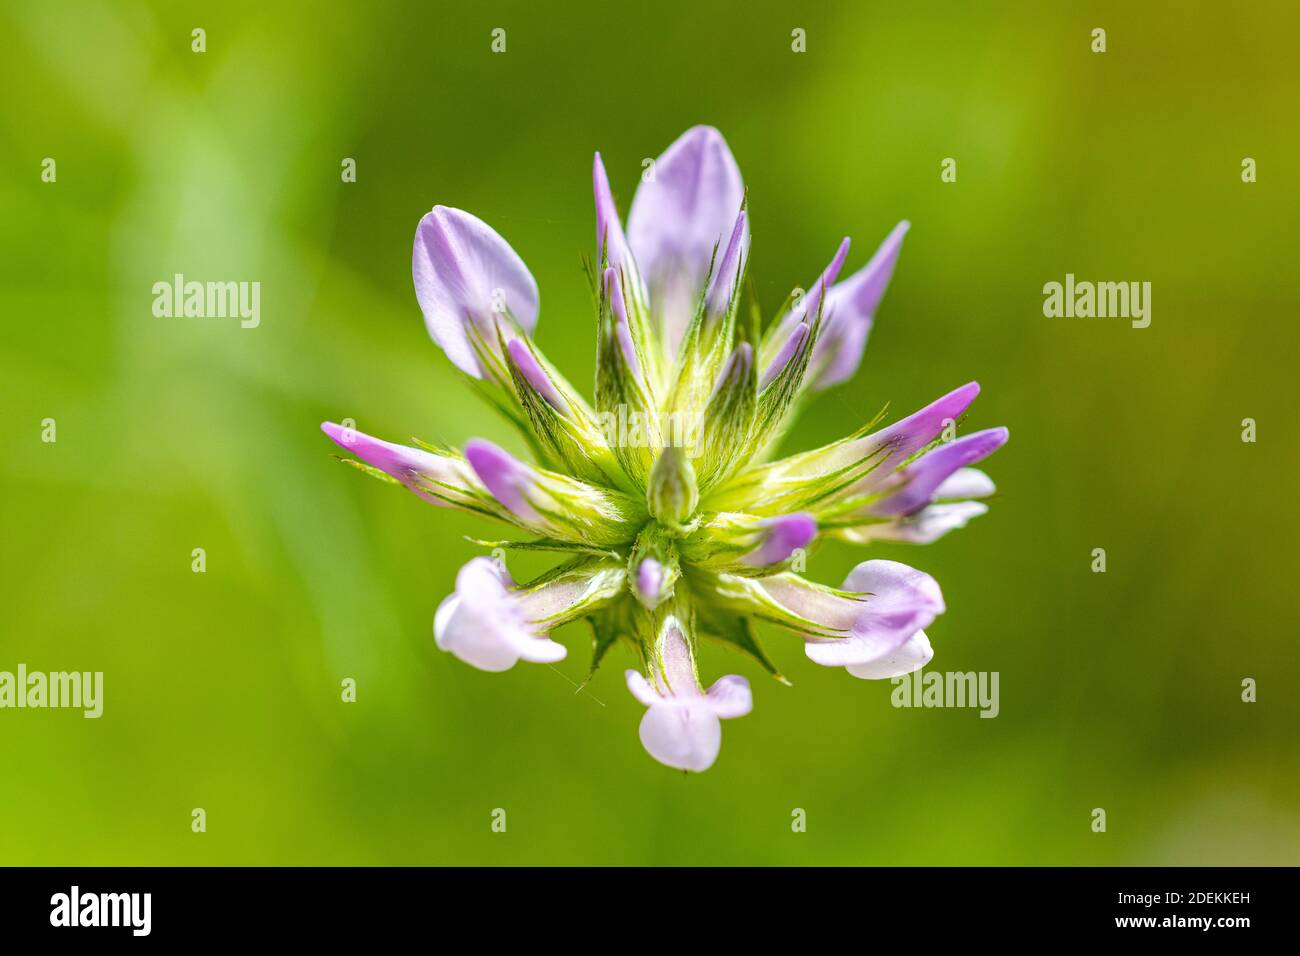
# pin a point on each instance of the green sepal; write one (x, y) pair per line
(572, 440)
(370, 470)
(737, 631)
(607, 626)
(728, 418)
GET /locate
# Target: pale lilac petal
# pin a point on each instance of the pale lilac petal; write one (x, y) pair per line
(536, 376)
(894, 588)
(461, 630)
(682, 729)
(678, 665)
(483, 624)
(727, 270)
(685, 735)
(679, 218)
(921, 479)
(913, 655)
(785, 534)
(850, 308)
(730, 696)
(965, 483)
(641, 689)
(561, 594)
(900, 601)
(829, 611)
(506, 478)
(925, 527)
(464, 272)
(537, 649)
(788, 351)
(649, 582)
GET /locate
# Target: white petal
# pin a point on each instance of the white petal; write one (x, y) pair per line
(641, 689)
(474, 637)
(536, 648)
(442, 619)
(730, 696)
(965, 483)
(685, 734)
(484, 625)
(916, 653)
(929, 524)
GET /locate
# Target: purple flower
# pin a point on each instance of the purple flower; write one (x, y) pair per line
(675, 522)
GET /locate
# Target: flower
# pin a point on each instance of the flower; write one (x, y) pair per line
(681, 728)
(490, 623)
(678, 523)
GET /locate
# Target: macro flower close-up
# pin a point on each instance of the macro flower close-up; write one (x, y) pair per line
(671, 517)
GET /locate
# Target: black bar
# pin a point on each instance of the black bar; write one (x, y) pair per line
(334, 905)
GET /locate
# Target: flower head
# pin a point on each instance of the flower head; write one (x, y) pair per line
(678, 523)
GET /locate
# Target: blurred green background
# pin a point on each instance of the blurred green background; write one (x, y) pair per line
(1118, 690)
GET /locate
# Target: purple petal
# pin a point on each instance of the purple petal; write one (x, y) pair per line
(400, 461)
(903, 439)
(785, 535)
(404, 463)
(536, 376)
(727, 269)
(788, 351)
(678, 219)
(617, 307)
(806, 311)
(506, 478)
(465, 273)
(649, 582)
(850, 307)
(610, 238)
(923, 477)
